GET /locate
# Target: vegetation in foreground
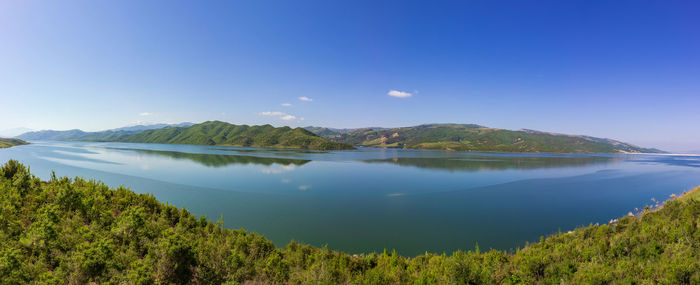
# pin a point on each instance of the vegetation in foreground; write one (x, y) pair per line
(76, 231)
(475, 138)
(4, 143)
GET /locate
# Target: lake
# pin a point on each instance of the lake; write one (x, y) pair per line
(367, 200)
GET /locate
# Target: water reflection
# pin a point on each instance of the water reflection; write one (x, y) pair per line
(271, 150)
(478, 163)
(689, 161)
(73, 155)
(369, 199)
(218, 160)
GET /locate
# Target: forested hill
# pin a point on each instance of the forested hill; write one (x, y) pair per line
(80, 231)
(207, 133)
(477, 138)
(5, 143)
(464, 137)
(222, 133)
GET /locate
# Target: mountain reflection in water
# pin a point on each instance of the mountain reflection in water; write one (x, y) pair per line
(219, 160)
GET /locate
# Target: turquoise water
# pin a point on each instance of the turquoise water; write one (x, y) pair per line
(371, 199)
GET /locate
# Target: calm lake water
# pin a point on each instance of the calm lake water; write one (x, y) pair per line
(370, 199)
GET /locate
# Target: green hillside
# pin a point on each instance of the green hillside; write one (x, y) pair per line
(463, 137)
(76, 231)
(221, 133)
(5, 143)
(478, 138)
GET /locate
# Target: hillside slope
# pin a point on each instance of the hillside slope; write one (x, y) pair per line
(5, 143)
(80, 231)
(222, 133)
(478, 138)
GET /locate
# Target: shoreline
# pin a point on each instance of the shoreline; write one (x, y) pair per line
(693, 193)
(690, 194)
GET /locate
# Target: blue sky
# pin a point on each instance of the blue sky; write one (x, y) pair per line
(628, 70)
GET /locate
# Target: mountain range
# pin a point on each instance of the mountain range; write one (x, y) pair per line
(457, 137)
(222, 133)
(472, 137)
(106, 135)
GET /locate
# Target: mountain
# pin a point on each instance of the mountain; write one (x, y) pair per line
(222, 133)
(52, 135)
(463, 137)
(74, 135)
(471, 137)
(207, 133)
(107, 135)
(5, 143)
(323, 131)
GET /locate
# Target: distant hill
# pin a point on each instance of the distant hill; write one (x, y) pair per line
(75, 135)
(5, 143)
(470, 137)
(323, 131)
(107, 135)
(222, 133)
(207, 133)
(462, 137)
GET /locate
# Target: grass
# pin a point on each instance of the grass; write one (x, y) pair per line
(5, 143)
(693, 194)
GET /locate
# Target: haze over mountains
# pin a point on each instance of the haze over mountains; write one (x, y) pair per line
(471, 137)
(77, 135)
(459, 137)
(8, 133)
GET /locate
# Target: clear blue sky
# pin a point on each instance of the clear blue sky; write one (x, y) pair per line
(628, 70)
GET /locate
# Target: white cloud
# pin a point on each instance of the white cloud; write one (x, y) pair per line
(304, 187)
(144, 114)
(272, 113)
(281, 115)
(286, 104)
(398, 94)
(304, 98)
(142, 123)
(278, 169)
